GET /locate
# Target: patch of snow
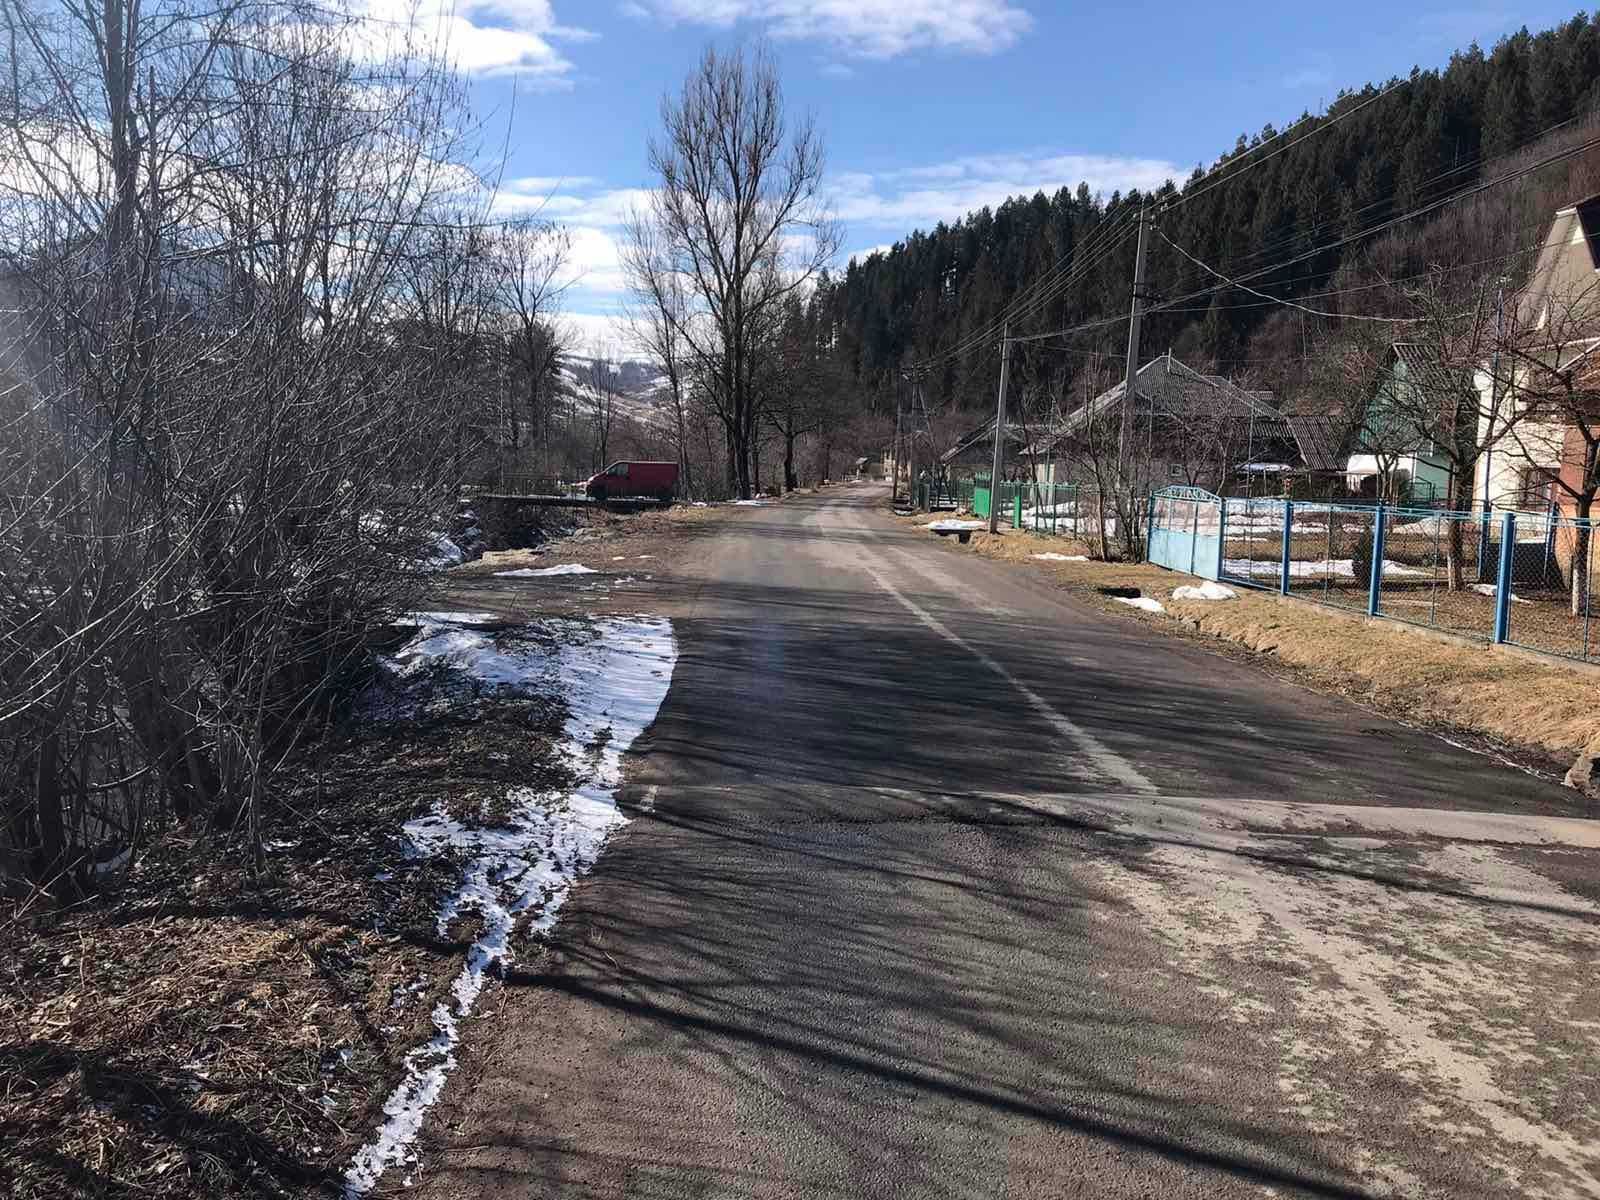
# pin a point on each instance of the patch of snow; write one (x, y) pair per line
(445, 554)
(752, 503)
(1209, 590)
(448, 640)
(1052, 556)
(955, 525)
(542, 572)
(1146, 603)
(1299, 569)
(613, 684)
(1492, 589)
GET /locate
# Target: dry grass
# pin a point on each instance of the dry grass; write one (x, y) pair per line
(1548, 709)
(200, 1033)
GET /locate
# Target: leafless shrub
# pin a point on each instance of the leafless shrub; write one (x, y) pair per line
(242, 371)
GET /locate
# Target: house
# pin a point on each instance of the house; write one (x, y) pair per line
(973, 451)
(1537, 459)
(1394, 458)
(1187, 427)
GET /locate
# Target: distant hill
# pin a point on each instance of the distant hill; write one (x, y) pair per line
(1296, 208)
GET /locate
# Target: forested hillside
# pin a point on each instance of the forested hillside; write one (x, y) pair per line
(1322, 209)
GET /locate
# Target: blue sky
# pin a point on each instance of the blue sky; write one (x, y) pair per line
(929, 107)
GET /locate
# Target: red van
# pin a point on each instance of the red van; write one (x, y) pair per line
(658, 480)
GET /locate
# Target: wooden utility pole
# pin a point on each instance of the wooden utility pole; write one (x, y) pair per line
(911, 446)
(999, 432)
(895, 455)
(1136, 319)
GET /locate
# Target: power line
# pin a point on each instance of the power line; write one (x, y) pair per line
(1315, 312)
(1384, 226)
(1327, 123)
(1085, 258)
(1459, 168)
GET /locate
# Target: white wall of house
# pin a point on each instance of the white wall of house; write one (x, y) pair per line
(1501, 476)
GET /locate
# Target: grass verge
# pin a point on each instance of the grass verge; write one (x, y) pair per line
(1544, 711)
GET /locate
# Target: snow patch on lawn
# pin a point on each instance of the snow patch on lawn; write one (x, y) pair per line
(457, 642)
(1492, 589)
(1344, 568)
(445, 554)
(1052, 556)
(1146, 603)
(751, 503)
(1209, 590)
(543, 572)
(956, 525)
(613, 683)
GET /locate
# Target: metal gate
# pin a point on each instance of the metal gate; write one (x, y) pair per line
(1186, 531)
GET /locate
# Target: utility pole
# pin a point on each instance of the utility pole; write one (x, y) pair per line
(911, 445)
(999, 432)
(894, 483)
(1125, 431)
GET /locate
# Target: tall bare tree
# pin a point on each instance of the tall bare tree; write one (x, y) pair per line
(740, 216)
(531, 256)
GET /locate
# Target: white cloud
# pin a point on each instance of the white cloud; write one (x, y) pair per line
(484, 37)
(865, 28)
(868, 252)
(925, 195)
(592, 330)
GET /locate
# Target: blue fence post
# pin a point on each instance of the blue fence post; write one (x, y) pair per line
(1288, 556)
(1502, 590)
(1380, 527)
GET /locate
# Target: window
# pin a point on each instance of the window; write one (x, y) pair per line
(618, 469)
(1538, 489)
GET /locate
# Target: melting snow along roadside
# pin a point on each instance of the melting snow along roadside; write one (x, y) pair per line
(613, 682)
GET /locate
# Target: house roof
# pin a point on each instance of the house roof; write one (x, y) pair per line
(983, 436)
(1424, 366)
(1321, 440)
(1166, 385)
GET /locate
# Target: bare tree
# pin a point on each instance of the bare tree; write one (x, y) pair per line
(1438, 405)
(1545, 379)
(227, 446)
(740, 217)
(604, 391)
(657, 320)
(531, 255)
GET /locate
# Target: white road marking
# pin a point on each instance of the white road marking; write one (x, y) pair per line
(1102, 757)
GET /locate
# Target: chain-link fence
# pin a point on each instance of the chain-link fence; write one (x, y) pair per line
(1253, 552)
(1443, 570)
(1552, 586)
(1439, 570)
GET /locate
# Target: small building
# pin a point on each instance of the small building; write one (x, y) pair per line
(1394, 458)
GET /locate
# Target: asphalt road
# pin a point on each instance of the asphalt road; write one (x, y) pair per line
(943, 885)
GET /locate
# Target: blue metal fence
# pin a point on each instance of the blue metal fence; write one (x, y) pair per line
(1186, 530)
(1515, 577)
